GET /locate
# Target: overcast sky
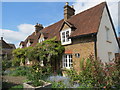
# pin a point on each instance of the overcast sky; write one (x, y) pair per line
(19, 18)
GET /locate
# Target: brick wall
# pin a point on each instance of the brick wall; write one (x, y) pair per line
(83, 46)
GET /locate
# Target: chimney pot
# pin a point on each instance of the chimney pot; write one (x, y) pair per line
(38, 27)
(66, 3)
(72, 6)
(68, 11)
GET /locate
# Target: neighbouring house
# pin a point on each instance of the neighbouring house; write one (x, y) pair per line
(6, 49)
(89, 32)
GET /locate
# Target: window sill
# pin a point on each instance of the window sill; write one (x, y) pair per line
(108, 41)
(66, 43)
(67, 68)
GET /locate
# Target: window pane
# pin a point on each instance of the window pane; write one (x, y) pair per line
(63, 33)
(67, 36)
(67, 32)
(67, 61)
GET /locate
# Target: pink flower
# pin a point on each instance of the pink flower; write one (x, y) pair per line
(104, 87)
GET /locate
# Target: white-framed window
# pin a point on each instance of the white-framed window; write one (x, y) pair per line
(28, 44)
(65, 36)
(21, 46)
(107, 34)
(67, 61)
(110, 56)
(41, 40)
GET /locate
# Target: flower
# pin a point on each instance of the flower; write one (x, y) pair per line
(36, 70)
(104, 87)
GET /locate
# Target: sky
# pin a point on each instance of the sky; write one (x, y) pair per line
(19, 18)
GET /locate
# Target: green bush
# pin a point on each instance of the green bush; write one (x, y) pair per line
(96, 74)
(6, 64)
(72, 74)
(58, 85)
(37, 73)
(20, 71)
(18, 87)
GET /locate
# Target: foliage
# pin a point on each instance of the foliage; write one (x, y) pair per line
(58, 85)
(38, 73)
(49, 50)
(18, 87)
(86, 75)
(46, 51)
(72, 74)
(19, 56)
(30, 53)
(6, 64)
(19, 71)
(112, 75)
(96, 74)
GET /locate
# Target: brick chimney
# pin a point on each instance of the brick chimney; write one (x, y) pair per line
(38, 27)
(68, 11)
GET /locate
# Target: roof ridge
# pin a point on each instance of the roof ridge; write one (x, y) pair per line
(53, 24)
(88, 9)
(52, 30)
(77, 13)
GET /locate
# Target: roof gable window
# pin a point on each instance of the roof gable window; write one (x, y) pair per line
(21, 46)
(41, 39)
(28, 44)
(65, 36)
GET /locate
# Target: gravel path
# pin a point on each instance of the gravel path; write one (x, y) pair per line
(14, 79)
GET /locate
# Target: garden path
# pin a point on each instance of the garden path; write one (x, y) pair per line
(14, 79)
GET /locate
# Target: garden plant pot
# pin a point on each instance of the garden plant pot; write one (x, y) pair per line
(28, 86)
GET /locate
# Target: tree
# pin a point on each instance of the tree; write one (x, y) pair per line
(19, 56)
(49, 50)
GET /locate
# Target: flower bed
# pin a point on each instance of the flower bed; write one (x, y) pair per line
(29, 85)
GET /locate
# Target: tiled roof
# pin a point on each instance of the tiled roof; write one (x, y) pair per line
(12, 45)
(86, 22)
(3, 44)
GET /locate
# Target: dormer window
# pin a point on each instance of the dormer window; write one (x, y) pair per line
(21, 46)
(41, 40)
(65, 36)
(28, 44)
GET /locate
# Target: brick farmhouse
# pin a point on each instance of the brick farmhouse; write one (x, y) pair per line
(89, 32)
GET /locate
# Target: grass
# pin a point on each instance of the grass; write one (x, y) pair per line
(18, 87)
(11, 86)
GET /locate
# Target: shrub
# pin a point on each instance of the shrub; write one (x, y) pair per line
(17, 87)
(38, 73)
(72, 74)
(20, 71)
(6, 64)
(96, 74)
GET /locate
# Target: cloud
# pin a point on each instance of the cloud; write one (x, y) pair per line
(26, 28)
(16, 36)
(81, 5)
